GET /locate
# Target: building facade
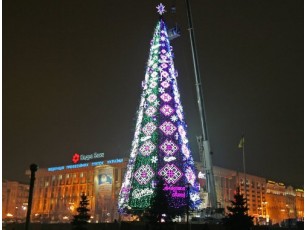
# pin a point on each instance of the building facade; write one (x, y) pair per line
(256, 196)
(299, 204)
(268, 202)
(284, 202)
(57, 190)
(14, 200)
(226, 183)
(57, 193)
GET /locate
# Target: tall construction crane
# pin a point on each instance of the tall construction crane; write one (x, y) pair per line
(203, 141)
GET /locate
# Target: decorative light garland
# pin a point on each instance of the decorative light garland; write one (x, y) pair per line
(160, 149)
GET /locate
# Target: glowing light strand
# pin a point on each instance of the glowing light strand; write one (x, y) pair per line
(176, 165)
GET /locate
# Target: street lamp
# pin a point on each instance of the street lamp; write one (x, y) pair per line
(188, 202)
(33, 168)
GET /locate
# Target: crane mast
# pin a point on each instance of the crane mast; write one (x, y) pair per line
(203, 141)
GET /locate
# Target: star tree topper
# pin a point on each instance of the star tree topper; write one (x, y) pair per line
(161, 9)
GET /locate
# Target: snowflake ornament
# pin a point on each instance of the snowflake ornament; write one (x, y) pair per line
(148, 91)
(161, 90)
(156, 103)
(168, 79)
(154, 159)
(174, 118)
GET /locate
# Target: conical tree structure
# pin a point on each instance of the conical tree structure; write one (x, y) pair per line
(238, 218)
(83, 216)
(160, 148)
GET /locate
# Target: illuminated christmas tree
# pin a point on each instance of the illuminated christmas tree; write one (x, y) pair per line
(160, 148)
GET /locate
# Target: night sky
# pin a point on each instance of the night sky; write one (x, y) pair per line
(72, 73)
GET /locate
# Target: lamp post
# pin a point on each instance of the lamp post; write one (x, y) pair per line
(188, 202)
(33, 168)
